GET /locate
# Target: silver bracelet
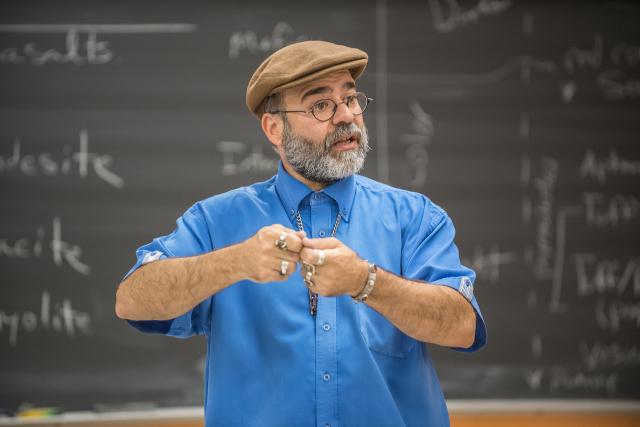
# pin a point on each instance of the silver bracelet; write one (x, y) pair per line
(368, 287)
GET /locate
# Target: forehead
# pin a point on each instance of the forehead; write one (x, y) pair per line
(330, 81)
(336, 78)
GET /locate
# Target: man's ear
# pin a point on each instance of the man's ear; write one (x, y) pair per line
(272, 126)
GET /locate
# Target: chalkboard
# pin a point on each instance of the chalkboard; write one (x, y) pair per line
(520, 118)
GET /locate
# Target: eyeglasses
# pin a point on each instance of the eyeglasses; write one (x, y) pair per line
(325, 109)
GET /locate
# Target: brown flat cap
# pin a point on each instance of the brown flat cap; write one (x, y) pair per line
(301, 63)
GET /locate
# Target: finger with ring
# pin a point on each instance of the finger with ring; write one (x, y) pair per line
(321, 257)
(307, 279)
(281, 243)
(309, 270)
(284, 266)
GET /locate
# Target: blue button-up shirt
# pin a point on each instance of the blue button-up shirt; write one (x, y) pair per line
(270, 363)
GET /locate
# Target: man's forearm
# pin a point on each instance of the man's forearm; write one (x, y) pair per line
(167, 288)
(430, 313)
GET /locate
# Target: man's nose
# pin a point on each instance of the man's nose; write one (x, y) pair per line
(343, 114)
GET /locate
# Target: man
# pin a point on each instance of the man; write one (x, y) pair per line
(318, 288)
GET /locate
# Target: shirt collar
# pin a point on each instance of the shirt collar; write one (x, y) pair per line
(292, 192)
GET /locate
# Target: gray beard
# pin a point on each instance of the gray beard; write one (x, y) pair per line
(316, 163)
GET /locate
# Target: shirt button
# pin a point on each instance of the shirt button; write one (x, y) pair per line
(322, 233)
(316, 196)
(326, 376)
(326, 327)
(327, 425)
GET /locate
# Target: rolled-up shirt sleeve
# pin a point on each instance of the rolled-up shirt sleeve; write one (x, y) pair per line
(430, 255)
(191, 237)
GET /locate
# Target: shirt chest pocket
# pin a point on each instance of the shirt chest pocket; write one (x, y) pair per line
(381, 335)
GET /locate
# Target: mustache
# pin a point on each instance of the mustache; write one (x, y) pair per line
(343, 131)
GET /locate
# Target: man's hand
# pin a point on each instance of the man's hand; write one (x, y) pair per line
(343, 271)
(262, 260)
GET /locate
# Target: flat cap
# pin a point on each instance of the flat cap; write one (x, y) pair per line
(301, 63)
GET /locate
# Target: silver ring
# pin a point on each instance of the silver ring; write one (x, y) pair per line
(321, 257)
(309, 269)
(281, 243)
(307, 279)
(284, 266)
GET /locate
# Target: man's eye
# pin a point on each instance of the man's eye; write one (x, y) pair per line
(320, 106)
(350, 100)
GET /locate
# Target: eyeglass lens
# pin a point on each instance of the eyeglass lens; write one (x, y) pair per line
(324, 110)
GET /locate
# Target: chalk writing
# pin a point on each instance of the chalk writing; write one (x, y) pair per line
(60, 251)
(544, 184)
(80, 162)
(81, 44)
(559, 379)
(593, 57)
(602, 210)
(447, 15)
(254, 162)
(418, 142)
(487, 262)
(611, 315)
(534, 378)
(613, 354)
(576, 58)
(623, 54)
(568, 91)
(611, 81)
(77, 51)
(562, 379)
(615, 86)
(59, 317)
(599, 168)
(282, 35)
(601, 276)
(555, 305)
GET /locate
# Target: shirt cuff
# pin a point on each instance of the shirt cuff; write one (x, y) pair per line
(464, 285)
